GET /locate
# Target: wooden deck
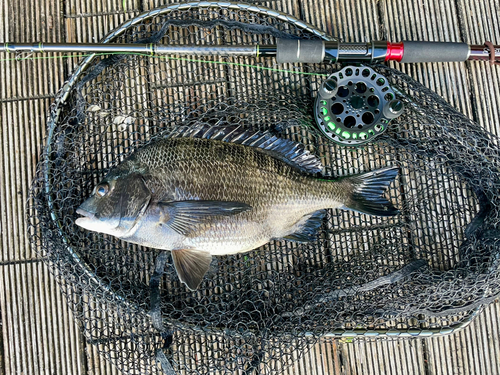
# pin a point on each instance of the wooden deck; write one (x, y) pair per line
(39, 335)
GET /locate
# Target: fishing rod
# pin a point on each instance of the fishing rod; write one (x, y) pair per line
(353, 105)
(291, 50)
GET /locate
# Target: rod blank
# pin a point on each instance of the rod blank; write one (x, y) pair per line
(149, 49)
(289, 50)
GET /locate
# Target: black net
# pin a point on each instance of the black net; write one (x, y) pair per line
(427, 270)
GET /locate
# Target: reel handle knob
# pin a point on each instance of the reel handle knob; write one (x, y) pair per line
(328, 89)
(393, 109)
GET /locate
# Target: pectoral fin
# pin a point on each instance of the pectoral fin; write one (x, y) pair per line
(184, 216)
(191, 266)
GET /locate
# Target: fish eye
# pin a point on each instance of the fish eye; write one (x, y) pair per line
(102, 190)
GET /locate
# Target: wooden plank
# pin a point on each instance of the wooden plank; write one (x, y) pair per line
(3, 32)
(480, 24)
(354, 21)
(324, 358)
(431, 21)
(19, 145)
(404, 20)
(471, 351)
(39, 332)
(383, 356)
(349, 20)
(36, 339)
(24, 79)
(20, 292)
(90, 21)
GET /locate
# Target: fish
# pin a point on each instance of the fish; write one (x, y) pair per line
(208, 191)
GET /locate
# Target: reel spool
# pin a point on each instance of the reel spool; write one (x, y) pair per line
(355, 105)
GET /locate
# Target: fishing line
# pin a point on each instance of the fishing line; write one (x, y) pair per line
(168, 58)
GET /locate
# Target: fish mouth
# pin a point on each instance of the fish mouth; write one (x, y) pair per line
(81, 211)
(87, 219)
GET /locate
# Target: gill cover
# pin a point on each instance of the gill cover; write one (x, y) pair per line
(116, 205)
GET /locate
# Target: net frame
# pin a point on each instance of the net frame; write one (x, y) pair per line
(159, 331)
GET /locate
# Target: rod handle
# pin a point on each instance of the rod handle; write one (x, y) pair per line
(416, 52)
(300, 50)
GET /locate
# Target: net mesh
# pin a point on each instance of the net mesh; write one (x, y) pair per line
(429, 269)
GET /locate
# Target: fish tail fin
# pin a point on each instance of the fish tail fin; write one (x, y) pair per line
(368, 192)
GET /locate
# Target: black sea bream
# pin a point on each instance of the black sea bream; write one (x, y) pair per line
(218, 191)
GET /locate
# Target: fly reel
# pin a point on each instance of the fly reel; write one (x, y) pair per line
(355, 105)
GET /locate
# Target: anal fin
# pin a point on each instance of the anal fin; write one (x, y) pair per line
(307, 227)
(191, 266)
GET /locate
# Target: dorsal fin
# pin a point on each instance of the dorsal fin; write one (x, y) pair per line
(288, 151)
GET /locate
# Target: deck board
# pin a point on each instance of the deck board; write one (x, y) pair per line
(39, 335)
